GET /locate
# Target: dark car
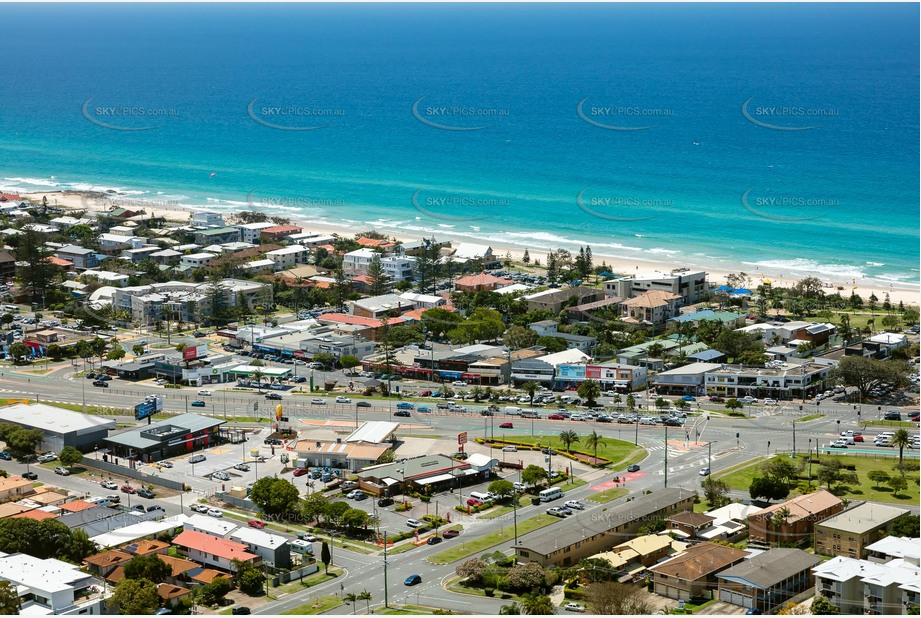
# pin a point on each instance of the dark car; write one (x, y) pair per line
(433, 540)
(240, 611)
(198, 404)
(450, 534)
(273, 396)
(487, 413)
(145, 493)
(412, 580)
(5, 456)
(548, 451)
(893, 415)
(30, 475)
(633, 468)
(401, 413)
(300, 379)
(716, 399)
(363, 404)
(361, 496)
(154, 507)
(91, 376)
(272, 442)
(101, 384)
(384, 501)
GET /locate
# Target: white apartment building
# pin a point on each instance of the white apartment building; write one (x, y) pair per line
(356, 262)
(288, 257)
(424, 301)
(779, 381)
(398, 268)
(250, 232)
(52, 587)
(205, 218)
(689, 285)
(863, 587)
(196, 260)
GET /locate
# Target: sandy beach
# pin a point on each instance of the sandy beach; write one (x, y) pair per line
(95, 203)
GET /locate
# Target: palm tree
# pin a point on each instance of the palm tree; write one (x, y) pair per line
(258, 375)
(530, 388)
(901, 439)
(593, 441)
(365, 596)
(350, 598)
(536, 605)
(567, 437)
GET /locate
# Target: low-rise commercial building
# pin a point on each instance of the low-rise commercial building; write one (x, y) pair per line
(59, 427)
(181, 434)
(780, 381)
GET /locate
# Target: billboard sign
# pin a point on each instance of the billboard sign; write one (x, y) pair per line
(195, 351)
(145, 410)
(462, 438)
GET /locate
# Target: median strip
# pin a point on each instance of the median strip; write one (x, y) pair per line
(468, 548)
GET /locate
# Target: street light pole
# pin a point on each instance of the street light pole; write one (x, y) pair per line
(666, 455)
(793, 452)
(386, 597)
(709, 454)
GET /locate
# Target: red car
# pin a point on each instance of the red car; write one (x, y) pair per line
(858, 437)
(473, 502)
(255, 523)
(300, 471)
(556, 417)
(450, 534)
(128, 489)
(506, 426)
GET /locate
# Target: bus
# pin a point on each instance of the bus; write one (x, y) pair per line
(550, 494)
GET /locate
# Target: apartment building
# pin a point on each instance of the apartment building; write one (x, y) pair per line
(862, 587)
(793, 521)
(690, 285)
(52, 587)
(288, 257)
(850, 532)
(250, 232)
(779, 381)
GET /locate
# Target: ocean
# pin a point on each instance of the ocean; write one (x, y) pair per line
(780, 138)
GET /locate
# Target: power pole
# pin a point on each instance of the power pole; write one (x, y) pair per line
(386, 597)
(666, 455)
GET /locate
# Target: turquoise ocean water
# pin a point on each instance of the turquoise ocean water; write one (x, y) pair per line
(659, 162)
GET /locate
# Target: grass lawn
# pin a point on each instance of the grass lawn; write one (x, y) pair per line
(609, 494)
(864, 490)
(317, 606)
(614, 450)
(465, 548)
(503, 510)
(409, 610)
(741, 476)
(454, 585)
(811, 417)
(317, 578)
(887, 424)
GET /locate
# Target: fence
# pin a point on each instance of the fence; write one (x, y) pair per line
(289, 576)
(240, 503)
(115, 470)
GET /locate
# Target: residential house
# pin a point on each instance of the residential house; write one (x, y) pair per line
(424, 301)
(357, 262)
(106, 277)
(311, 239)
(14, 487)
(288, 257)
(857, 586)
(81, 258)
(892, 547)
(483, 282)
(730, 522)
(113, 243)
(273, 549)
(250, 232)
(136, 256)
(633, 557)
(103, 563)
(728, 319)
(209, 525)
(690, 285)
(213, 551)
(196, 260)
(552, 300)
(379, 306)
(650, 308)
(52, 587)
(692, 574)
(279, 232)
(567, 545)
(768, 580)
(548, 328)
(793, 521)
(850, 532)
(205, 218)
(472, 252)
(217, 236)
(687, 524)
(172, 595)
(7, 266)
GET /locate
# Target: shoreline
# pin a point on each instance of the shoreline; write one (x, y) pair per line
(93, 201)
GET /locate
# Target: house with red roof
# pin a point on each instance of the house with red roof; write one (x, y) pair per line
(279, 232)
(213, 551)
(484, 282)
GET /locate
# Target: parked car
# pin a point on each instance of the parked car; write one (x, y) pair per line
(450, 534)
(574, 504)
(197, 458)
(5, 456)
(215, 512)
(556, 417)
(770, 402)
(242, 467)
(633, 468)
(401, 413)
(301, 546)
(382, 502)
(556, 511)
(717, 399)
(101, 384)
(199, 508)
(62, 471)
(274, 396)
(688, 398)
(573, 607)
(424, 409)
(414, 523)
(220, 475)
(272, 442)
(146, 493)
(306, 536)
(204, 393)
(892, 415)
(30, 475)
(128, 489)
(300, 471)
(511, 448)
(341, 399)
(240, 611)
(46, 458)
(255, 523)
(198, 404)
(109, 484)
(155, 507)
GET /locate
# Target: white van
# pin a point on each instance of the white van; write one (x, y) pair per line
(482, 497)
(553, 493)
(530, 414)
(512, 410)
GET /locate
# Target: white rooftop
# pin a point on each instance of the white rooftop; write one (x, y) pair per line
(291, 249)
(898, 547)
(209, 525)
(573, 355)
(733, 511)
(53, 419)
(49, 575)
(259, 538)
(375, 432)
(140, 530)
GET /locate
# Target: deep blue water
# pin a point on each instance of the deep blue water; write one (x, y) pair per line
(670, 192)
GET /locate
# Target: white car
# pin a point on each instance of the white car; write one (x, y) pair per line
(519, 486)
(348, 485)
(770, 402)
(199, 508)
(204, 393)
(109, 484)
(573, 607)
(748, 399)
(318, 401)
(511, 448)
(574, 504)
(705, 471)
(47, 457)
(215, 512)
(414, 523)
(839, 443)
(341, 399)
